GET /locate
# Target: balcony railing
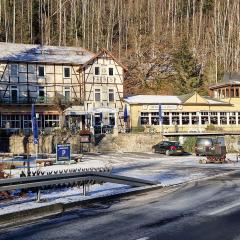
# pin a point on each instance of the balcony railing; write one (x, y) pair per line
(39, 100)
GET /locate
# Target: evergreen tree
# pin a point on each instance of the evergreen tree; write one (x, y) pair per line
(187, 71)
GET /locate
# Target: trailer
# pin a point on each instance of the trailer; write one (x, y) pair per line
(215, 154)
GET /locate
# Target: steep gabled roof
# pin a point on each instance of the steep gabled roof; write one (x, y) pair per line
(194, 98)
(15, 52)
(185, 97)
(103, 51)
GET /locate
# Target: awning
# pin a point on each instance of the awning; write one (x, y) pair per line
(75, 110)
(103, 110)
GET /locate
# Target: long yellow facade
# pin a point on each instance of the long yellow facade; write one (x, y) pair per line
(190, 113)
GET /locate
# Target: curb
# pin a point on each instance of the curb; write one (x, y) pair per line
(31, 215)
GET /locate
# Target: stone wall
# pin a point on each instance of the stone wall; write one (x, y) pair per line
(138, 142)
(47, 143)
(123, 143)
(17, 144)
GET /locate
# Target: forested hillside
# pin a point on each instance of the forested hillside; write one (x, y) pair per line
(168, 46)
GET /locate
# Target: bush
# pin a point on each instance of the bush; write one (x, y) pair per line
(212, 127)
(138, 129)
(189, 144)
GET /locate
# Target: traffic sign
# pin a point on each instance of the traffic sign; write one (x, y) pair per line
(63, 152)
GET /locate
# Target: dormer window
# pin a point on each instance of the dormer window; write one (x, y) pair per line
(14, 70)
(41, 71)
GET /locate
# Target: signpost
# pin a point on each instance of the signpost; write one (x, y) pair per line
(63, 153)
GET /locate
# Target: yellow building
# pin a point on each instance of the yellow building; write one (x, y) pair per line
(187, 113)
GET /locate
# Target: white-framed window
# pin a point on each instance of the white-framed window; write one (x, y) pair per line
(11, 121)
(97, 71)
(67, 93)
(111, 95)
(66, 72)
(14, 69)
(97, 95)
(144, 118)
(41, 71)
(51, 120)
(27, 123)
(14, 94)
(110, 71)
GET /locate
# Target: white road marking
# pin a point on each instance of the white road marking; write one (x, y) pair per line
(144, 238)
(224, 209)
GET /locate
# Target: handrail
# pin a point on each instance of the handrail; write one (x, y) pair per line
(48, 180)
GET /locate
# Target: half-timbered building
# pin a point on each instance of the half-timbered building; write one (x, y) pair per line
(68, 85)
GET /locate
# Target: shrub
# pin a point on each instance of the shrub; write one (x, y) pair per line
(210, 127)
(189, 144)
(138, 129)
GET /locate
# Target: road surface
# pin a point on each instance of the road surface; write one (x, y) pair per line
(201, 210)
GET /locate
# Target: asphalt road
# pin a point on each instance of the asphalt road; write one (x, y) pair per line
(201, 210)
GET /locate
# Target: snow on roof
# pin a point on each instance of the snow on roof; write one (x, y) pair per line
(156, 99)
(215, 101)
(44, 54)
(153, 99)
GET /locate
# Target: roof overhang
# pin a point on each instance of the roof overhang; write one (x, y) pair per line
(103, 110)
(221, 85)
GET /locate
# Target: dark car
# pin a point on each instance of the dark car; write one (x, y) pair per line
(207, 145)
(168, 148)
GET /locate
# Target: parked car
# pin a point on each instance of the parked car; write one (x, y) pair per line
(168, 148)
(205, 146)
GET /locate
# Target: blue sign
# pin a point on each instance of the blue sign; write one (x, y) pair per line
(63, 152)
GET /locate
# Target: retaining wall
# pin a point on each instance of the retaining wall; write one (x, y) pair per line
(130, 142)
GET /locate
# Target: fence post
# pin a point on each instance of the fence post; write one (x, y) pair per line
(84, 189)
(38, 195)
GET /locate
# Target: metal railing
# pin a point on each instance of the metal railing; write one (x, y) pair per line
(31, 100)
(79, 178)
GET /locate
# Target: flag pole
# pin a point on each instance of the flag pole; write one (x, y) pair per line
(125, 118)
(35, 131)
(160, 118)
(36, 150)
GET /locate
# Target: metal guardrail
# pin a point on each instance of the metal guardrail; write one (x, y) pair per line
(39, 182)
